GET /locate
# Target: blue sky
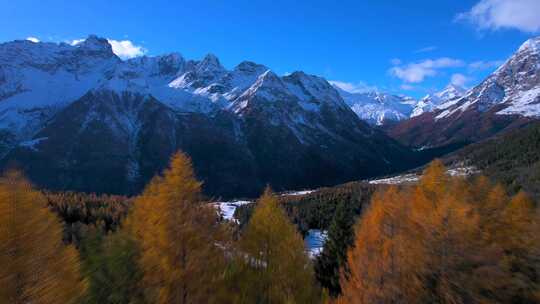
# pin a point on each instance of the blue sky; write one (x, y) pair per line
(413, 48)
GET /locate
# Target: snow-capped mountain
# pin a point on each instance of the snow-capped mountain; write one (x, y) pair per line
(514, 86)
(431, 101)
(508, 98)
(378, 108)
(78, 117)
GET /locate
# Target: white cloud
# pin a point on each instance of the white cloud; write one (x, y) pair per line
(418, 71)
(359, 87)
(459, 80)
(426, 49)
(33, 39)
(496, 14)
(484, 65)
(395, 61)
(125, 49)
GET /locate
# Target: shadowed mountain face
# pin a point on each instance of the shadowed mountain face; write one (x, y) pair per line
(79, 118)
(507, 99)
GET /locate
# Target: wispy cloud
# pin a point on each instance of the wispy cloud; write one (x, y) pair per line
(416, 72)
(484, 65)
(33, 39)
(426, 49)
(459, 80)
(496, 14)
(358, 87)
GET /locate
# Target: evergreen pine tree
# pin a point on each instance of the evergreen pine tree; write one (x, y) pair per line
(110, 264)
(333, 258)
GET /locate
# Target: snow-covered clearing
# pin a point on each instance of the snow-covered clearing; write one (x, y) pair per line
(297, 193)
(227, 209)
(413, 177)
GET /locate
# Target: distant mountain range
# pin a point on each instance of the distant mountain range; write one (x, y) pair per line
(77, 117)
(507, 99)
(380, 108)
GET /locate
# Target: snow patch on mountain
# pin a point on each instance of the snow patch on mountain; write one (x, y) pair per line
(527, 103)
(532, 45)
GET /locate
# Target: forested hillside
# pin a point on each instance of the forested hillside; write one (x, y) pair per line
(316, 210)
(512, 158)
(445, 240)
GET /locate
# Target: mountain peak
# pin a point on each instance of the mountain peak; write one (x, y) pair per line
(96, 45)
(250, 67)
(268, 79)
(532, 45)
(267, 86)
(451, 91)
(210, 63)
(93, 41)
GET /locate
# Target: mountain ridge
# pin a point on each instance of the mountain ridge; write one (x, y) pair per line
(82, 119)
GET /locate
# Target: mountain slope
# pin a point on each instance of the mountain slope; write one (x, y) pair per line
(77, 117)
(511, 158)
(507, 99)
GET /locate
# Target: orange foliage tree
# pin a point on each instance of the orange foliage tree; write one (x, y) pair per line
(36, 266)
(179, 237)
(276, 268)
(445, 240)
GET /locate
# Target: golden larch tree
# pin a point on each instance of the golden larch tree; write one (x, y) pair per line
(179, 236)
(520, 238)
(430, 243)
(279, 270)
(376, 276)
(36, 266)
